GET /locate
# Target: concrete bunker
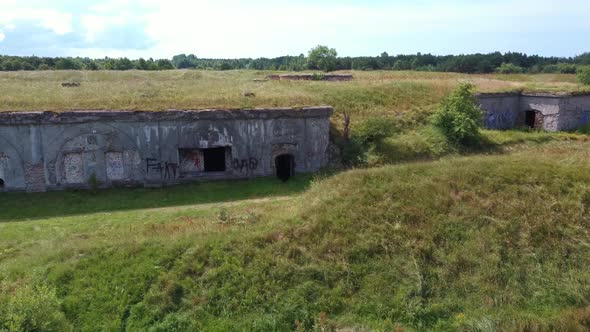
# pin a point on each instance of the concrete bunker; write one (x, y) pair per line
(546, 111)
(52, 151)
(285, 166)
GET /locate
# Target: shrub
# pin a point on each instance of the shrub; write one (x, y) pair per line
(318, 77)
(583, 75)
(374, 130)
(509, 68)
(458, 116)
(31, 308)
(366, 140)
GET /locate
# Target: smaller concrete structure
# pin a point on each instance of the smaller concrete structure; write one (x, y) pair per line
(547, 111)
(311, 77)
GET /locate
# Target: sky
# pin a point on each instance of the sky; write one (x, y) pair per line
(270, 28)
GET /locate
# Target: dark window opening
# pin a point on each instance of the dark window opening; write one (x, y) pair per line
(1, 183)
(214, 159)
(533, 119)
(285, 166)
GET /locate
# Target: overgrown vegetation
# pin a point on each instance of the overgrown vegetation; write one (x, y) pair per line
(459, 116)
(493, 242)
(462, 243)
(583, 75)
(509, 68)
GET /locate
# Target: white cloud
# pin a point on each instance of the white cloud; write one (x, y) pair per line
(2, 36)
(233, 28)
(226, 28)
(51, 19)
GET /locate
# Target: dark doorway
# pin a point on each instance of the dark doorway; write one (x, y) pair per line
(533, 119)
(285, 166)
(1, 183)
(214, 159)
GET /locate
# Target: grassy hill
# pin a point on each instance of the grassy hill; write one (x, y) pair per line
(476, 243)
(435, 236)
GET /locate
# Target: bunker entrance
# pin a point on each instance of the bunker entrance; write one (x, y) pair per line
(285, 166)
(1, 183)
(533, 119)
(214, 159)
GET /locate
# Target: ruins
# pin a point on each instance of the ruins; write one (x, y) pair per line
(546, 111)
(310, 77)
(42, 151)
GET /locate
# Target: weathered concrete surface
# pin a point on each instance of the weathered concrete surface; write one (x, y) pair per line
(552, 112)
(47, 151)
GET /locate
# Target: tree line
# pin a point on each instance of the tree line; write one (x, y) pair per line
(319, 58)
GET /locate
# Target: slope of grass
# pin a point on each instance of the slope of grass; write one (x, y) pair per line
(497, 242)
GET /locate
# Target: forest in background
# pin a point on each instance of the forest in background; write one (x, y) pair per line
(511, 62)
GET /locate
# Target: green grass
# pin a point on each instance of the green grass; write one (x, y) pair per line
(379, 93)
(481, 242)
(27, 206)
(482, 238)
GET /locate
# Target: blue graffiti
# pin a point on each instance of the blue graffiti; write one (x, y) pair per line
(585, 118)
(500, 120)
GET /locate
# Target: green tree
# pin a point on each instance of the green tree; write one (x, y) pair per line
(322, 58)
(141, 64)
(164, 64)
(583, 74)
(66, 63)
(459, 117)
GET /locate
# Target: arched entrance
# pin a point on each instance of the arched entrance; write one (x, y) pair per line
(285, 166)
(533, 119)
(1, 183)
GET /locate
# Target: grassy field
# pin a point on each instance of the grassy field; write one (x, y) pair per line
(424, 235)
(379, 93)
(477, 243)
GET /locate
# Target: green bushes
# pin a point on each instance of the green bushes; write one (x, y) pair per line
(509, 68)
(583, 75)
(366, 139)
(459, 117)
(31, 308)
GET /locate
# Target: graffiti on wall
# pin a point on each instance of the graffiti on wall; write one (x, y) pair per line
(500, 120)
(74, 167)
(191, 160)
(114, 165)
(245, 164)
(167, 170)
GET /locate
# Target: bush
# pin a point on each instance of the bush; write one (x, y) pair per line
(366, 140)
(509, 68)
(583, 75)
(459, 116)
(31, 308)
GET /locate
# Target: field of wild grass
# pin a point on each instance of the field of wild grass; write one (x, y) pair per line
(386, 93)
(477, 243)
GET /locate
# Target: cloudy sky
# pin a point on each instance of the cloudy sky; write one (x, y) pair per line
(268, 28)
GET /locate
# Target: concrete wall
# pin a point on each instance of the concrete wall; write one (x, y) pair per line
(46, 151)
(310, 77)
(555, 111)
(501, 110)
